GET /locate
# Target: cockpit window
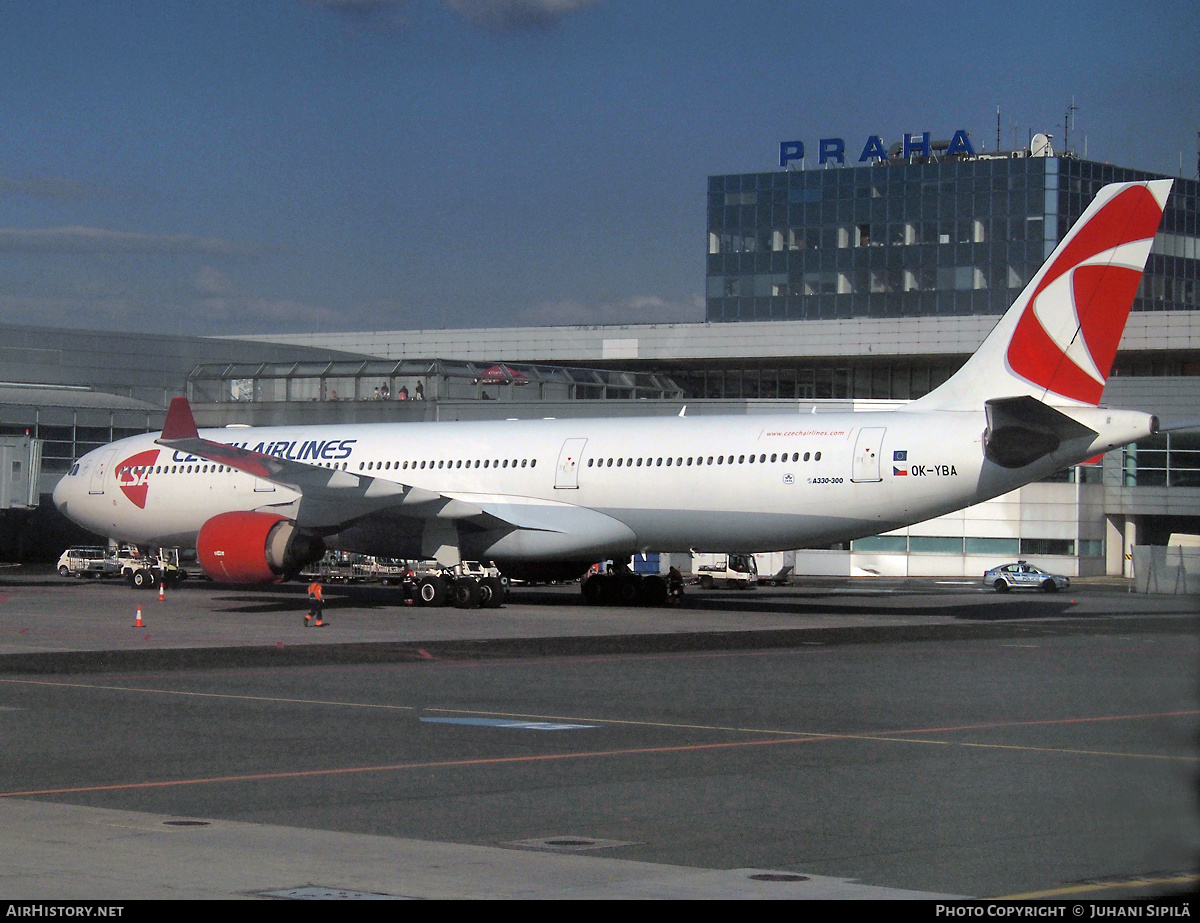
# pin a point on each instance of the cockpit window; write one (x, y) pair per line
(74, 469)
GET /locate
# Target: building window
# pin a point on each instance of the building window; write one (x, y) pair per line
(1004, 547)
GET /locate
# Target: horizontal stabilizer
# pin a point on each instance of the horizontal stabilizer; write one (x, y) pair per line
(1170, 426)
(1023, 429)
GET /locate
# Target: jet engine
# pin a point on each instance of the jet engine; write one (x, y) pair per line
(255, 548)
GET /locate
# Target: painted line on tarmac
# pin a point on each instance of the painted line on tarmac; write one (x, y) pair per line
(510, 723)
(1182, 713)
(1102, 886)
(399, 767)
(894, 736)
(146, 690)
(791, 735)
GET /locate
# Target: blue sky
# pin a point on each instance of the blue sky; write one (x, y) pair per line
(230, 166)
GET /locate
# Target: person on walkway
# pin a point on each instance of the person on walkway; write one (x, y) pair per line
(316, 603)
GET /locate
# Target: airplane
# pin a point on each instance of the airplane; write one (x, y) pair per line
(544, 499)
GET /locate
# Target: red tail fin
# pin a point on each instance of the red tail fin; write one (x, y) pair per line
(180, 424)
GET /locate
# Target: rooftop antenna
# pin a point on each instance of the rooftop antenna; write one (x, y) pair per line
(1068, 124)
(997, 129)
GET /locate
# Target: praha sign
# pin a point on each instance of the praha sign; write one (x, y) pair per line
(833, 150)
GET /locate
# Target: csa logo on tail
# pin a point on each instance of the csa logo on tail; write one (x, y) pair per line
(1067, 335)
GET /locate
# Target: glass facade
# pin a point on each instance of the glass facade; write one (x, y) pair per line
(420, 379)
(1166, 460)
(68, 434)
(918, 239)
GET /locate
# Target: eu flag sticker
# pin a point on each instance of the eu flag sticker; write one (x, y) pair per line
(900, 455)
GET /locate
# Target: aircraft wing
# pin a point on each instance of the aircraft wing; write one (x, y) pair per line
(329, 498)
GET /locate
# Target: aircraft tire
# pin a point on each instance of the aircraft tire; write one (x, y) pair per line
(594, 589)
(629, 591)
(491, 592)
(466, 593)
(653, 591)
(431, 592)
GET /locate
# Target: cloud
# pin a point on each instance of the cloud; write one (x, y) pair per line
(637, 309)
(115, 312)
(145, 313)
(378, 14)
(493, 15)
(239, 314)
(210, 281)
(81, 240)
(224, 304)
(52, 187)
(516, 15)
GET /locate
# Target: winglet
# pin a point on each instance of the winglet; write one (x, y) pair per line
(180, 423)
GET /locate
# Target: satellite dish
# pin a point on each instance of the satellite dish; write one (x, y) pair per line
(1039, 146)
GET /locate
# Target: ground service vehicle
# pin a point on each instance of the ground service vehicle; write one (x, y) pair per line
(737, 571)
(158, 568)
(86, 561)
(546, 498)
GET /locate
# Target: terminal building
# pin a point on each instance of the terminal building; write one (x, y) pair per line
(827, 288)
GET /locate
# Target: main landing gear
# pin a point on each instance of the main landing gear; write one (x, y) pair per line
(464, 587)
(627, 589)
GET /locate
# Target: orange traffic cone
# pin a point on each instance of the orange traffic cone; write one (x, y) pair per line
(138, 623)
(161, 592)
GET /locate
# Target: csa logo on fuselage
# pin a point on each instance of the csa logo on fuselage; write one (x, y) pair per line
(133, 476)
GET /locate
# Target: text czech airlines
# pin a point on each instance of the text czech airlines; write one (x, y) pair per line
(295, 450)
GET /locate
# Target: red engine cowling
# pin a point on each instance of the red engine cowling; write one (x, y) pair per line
(254, 548)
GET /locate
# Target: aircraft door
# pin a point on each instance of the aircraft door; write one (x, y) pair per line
(96, 485)
(566, 475)
(868, 449)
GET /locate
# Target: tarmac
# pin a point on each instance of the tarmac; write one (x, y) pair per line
(51, 627)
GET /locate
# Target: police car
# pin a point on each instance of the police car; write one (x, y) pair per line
(1022, 576)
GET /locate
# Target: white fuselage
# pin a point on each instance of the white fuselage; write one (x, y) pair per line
(574, 489)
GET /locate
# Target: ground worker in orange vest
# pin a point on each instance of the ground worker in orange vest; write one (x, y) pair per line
(316, 602)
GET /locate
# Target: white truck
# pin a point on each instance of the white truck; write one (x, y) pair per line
(126, 561)
(737, 571)
(87, 561)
